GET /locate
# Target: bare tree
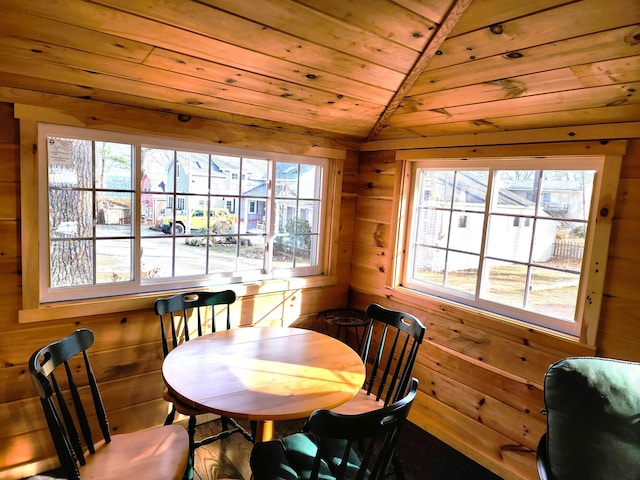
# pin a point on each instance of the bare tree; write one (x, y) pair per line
(71, 201)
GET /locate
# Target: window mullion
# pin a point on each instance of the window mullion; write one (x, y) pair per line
(174, 208)
(488, 207)
(137, 228)
(446, 247)
(270, 220)
(94, 206)
(533, 238)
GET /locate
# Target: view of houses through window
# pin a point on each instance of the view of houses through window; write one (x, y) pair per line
(508, 240)
(203, 214)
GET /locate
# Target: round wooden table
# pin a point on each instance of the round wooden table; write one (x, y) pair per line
(264, 374)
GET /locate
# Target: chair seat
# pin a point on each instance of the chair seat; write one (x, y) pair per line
(361, 403)
(160, 453)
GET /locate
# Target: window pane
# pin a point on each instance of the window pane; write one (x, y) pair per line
(191, 258)
(157, 163)
(559, 244)
(462, 272)
(567, 193)
(152, 213)
(432, 227)
(70, 162)
(553, 293)
(294, 221)
(251, 253)
(504, 283)
(509, 238)
(429, 265)
(113, 215)
(254, 177)
(192, 172)
(253, 216)
(436, 188)
(466, 232)
(308, 216)
(222, 255)
(302, 256)
(287, 180)
(157, 257)
(311, 181)
(225, 175)
(70, 213)
(515, 191)
(471, 190)
(114, 162)
(71, 263)
(113, 261)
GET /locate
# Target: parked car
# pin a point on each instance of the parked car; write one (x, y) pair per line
(220, 221)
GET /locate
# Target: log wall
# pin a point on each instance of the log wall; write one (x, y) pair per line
(481, 385)
(127, 355)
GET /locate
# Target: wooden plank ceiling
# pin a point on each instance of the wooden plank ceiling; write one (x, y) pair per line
(352, 70)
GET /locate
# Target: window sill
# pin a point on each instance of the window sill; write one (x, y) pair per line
(125, 303)
(529, 334)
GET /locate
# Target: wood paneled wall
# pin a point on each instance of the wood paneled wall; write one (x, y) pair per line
(481, 386)
(127, 355)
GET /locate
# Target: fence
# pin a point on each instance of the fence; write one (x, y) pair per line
(568, 248)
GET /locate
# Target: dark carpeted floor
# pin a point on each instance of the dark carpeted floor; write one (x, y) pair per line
(422, 455)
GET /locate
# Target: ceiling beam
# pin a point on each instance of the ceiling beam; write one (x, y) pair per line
(451, 18)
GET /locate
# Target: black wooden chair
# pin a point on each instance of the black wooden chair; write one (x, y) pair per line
(389, 351)
(70, 395)
(592, 406)
(334, 446)
(183, 316)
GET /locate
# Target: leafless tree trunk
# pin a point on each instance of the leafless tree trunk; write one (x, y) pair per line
(71, 259)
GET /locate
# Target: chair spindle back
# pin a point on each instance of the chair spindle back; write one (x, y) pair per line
(183, 309)
(389, 352)
(51, 390)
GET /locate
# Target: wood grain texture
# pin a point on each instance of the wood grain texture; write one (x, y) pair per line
(353, 70)
(263, 374)
(510, 78)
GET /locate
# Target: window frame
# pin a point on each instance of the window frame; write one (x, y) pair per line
(33, 310)
(596, 246)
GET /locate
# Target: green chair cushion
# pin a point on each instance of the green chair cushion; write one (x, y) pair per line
(593, 419)
(291, 458)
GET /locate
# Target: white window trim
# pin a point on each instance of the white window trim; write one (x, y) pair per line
(596, 247)
(34, 311)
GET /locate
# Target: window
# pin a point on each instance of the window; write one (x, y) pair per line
(523, 252)
(128, 214)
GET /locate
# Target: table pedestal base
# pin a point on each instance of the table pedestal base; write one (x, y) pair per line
(264, 431)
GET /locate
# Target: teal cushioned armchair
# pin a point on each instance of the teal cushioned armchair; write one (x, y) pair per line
(593, 420)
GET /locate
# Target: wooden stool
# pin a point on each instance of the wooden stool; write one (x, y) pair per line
(346, 318)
